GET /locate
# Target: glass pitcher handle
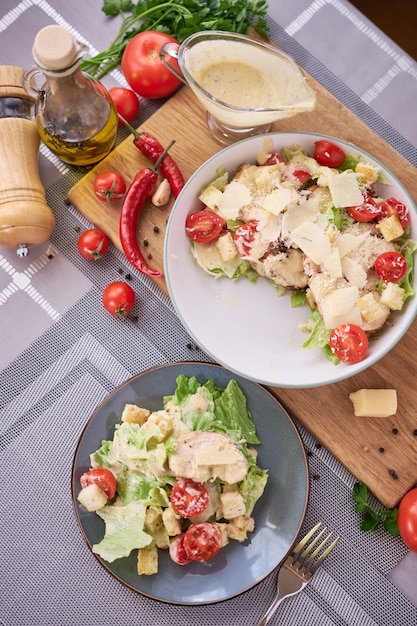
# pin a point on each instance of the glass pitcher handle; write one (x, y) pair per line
(29, 81)
(167, 53)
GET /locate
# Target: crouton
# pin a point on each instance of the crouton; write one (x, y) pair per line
(233, 504)
(164, 423)
(226, 247)
(390, 228)
(224, 539)
(172, 521)
(239, 527)
(92, 497)
(147, 563)
(155, 526)
(393, 297)
(135, 414)
(374, 313)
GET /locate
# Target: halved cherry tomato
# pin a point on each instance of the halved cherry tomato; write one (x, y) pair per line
(118, 298)
(329, 154)
(189, 498)
(103, 478)
(177, 551)
(92, 244)
(273, 159)
(126, 103)
(204, 226)
(244, 236)
(366, 212)
(109, 186)
(407, 519)
(349, 343)
(391, 266)
(392, 206)
(302, 175)
(202, 541)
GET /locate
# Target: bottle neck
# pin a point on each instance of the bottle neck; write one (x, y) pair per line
(66, 83)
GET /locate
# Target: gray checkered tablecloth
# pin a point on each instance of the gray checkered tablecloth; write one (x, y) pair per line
(61, 354)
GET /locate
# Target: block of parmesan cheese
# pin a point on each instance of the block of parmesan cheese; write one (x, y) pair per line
(374, 402)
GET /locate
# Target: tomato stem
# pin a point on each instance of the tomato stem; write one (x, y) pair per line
(103, 62)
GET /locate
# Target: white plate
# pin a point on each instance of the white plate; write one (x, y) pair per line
(246, 326)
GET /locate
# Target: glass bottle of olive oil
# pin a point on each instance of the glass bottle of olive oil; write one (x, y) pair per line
(74, 114)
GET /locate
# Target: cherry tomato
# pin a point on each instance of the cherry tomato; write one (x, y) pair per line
(349, 343)
(189, 498)
(202, 541)
(92, 244)
(391, 206)
(273, 159)
(302, 175)
(109, 186)
(407, 519)
(244, 237)
(366, 212)
(118, 298)
(204, 226)
(144, 70)
(126, 103)
(390, 266)
(103, 478)
(328, 153)
(177, 551)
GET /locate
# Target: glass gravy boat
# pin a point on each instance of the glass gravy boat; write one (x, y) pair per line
(244, 84)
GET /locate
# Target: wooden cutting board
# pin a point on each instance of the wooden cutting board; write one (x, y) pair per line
(380, 452)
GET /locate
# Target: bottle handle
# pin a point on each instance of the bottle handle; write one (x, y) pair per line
(29, 81)
(168, 53)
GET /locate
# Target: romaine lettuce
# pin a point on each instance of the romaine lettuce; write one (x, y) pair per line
(124, 530)
(227, 411)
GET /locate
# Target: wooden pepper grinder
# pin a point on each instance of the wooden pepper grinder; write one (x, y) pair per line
(25, 218)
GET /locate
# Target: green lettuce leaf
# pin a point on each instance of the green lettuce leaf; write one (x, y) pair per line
(207, 407)
(103, 456)
(408, 249)
(124, 531)
(231, 410)
(252, 487)
(319, 336)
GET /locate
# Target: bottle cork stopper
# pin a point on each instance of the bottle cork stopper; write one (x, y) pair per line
(54, 48)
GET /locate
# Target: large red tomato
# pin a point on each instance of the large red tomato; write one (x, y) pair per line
(144, 70)
(407, 519)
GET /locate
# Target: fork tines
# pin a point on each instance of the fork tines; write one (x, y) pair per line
(307, 555)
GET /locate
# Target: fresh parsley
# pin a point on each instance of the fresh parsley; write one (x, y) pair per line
(179, 18)
(373, 517)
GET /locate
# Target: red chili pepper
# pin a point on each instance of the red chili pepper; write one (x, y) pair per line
(151, 148)
(140, 190)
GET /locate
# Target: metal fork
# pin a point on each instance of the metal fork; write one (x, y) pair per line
(299, 567)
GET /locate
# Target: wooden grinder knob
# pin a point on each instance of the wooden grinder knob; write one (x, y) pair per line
(25, 217)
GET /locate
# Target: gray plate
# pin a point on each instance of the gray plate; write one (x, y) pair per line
(278, 514)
